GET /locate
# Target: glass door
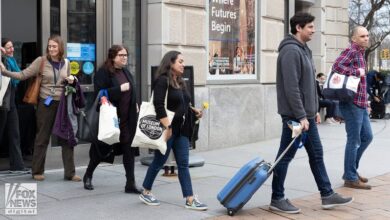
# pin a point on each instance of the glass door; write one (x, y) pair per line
(81, 38)
(78, 22)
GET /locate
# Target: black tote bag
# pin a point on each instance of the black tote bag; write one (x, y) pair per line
(89, 123)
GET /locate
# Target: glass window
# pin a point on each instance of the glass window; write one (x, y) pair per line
(55, 17)
(131, 30)
(232, 39)
(81, 45)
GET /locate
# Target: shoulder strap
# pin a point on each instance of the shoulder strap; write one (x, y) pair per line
(43, 60)
(166, 95)
(67, 63)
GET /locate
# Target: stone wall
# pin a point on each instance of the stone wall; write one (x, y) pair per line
(239, 113)
(332, 32)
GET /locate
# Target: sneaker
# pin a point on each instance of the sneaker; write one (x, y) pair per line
(335, 121)
(335, 200)
(356, 184)
(22, 171)
(283, 205)
(196, 204)
(330, 121)
(148, 199)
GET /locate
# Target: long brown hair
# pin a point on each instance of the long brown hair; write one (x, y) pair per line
(61, 49)
(112, 53)
(165, 69)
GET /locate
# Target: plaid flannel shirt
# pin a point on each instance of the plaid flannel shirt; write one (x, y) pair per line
(348, 63)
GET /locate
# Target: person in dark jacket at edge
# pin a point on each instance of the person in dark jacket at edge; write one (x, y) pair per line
(9, 119)
(297, 100)
(374, 84)
(117, 80)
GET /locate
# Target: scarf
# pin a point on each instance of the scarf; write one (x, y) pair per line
(13, 67)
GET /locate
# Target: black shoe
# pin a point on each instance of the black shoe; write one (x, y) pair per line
(87, 183)
(132, 188)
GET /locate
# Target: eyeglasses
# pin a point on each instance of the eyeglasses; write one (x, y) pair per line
(9, 48)
(122, 55)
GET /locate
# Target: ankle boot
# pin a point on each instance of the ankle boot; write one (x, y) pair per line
(87, 182)
(131, 187)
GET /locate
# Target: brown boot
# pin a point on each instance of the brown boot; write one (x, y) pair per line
(363, 179)
(76, 178)
(356, 184)
(39, 177)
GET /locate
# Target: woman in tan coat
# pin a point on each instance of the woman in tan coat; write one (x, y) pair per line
(55, 70)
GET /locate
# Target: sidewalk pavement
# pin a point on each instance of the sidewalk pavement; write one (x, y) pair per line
(61, 199)
(368, 204)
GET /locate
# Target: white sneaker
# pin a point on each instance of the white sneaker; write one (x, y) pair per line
(330, 121)
(335, 121)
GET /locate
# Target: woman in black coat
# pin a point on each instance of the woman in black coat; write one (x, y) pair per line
(117, 80)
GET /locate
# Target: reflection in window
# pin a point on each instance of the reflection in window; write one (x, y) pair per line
(81, 46)
(55, 18)
(131, 35)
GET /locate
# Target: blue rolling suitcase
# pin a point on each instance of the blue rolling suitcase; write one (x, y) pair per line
(240, 189)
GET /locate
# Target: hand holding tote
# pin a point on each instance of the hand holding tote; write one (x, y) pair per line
(108, 122)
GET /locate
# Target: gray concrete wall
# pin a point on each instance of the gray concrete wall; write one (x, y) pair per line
(15, 28)
(332, 32)
(238, 114)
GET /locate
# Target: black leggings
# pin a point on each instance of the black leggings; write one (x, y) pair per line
(128, 161)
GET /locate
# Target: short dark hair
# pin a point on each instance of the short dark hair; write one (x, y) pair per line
(319, 75)
(301, 19)
(380, 76)
(4, 41)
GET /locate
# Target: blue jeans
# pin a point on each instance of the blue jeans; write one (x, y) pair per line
(314, 150)
(180, 146)
(359, 136)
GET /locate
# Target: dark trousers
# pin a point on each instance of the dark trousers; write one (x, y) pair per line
(314, 150)
(128, 161)
(330, 107)
(45, 121)
(180, 146)
(9, 123)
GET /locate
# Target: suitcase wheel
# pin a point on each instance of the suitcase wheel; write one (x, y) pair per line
(230, 212)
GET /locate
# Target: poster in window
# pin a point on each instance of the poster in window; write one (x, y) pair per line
(232, 39)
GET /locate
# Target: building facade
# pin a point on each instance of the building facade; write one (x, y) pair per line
(231, 45)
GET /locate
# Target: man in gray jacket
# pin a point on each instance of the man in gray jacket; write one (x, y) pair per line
(298, 101)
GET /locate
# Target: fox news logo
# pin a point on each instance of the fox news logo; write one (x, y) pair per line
(21, 199)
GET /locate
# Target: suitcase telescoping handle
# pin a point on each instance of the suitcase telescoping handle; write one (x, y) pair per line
(282, 154)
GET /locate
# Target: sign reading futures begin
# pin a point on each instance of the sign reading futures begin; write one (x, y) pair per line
(232, 39)
(224, 20)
